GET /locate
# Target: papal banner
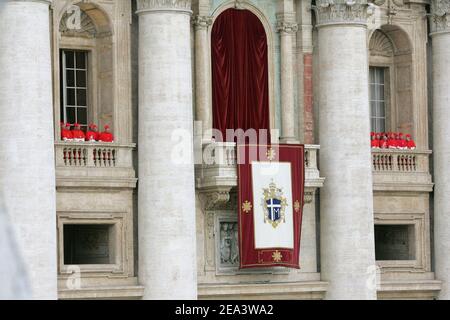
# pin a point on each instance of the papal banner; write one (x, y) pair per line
(271, 189)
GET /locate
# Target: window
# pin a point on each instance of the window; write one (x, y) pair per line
(74, 86)
(377, 99)
(88, 244)
(394, 242)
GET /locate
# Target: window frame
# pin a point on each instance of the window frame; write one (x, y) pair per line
(375, 117)
(64, 87)
(389, 87)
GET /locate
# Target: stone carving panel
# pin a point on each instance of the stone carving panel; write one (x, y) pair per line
(229, 244)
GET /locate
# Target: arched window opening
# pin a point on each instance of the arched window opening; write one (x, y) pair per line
(86, 66)
(240, 73)
(391, 81)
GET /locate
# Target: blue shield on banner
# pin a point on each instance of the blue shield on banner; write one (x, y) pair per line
(273, 209)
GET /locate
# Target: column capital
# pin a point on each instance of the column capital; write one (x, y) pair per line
(287, 27)
(146, 6)
(330, 12)
(201, 22)
(440, 16)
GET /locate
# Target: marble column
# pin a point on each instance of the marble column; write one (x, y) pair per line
(346, 200)
(287, 30)
(166, 217)
(440, 32)
(27, 162)
(203, 106)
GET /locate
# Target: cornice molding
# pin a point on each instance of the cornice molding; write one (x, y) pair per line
(146, 6)
(47, 2)
(439, 17)
(330, 12)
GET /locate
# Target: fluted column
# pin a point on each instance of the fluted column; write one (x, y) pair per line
(440, 32)
(346, 200)
(166, 218)
(287, 30)
(202, 92)
(27, 172)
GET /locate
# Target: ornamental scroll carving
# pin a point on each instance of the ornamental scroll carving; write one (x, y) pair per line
(439, 17)
(79, 24)
(287, 27)
(150, 5)
(342, 11)
(202, 22)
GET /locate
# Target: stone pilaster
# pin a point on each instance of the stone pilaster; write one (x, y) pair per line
(440, 32)
(203, 106)
(166, 218)
(27, 172)
(287, 29)
(346, 200)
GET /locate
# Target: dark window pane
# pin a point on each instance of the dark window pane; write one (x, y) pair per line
(70, 78)
(82, 116)
(70, 115)
(69, 59)
(380, 76)
(382, 96)
(373, 109)
(81, 78)
(372, 92)
(81, 97)
(381, 109)
(394, 242)
(81, 60)
(70, 97)
(88, 244)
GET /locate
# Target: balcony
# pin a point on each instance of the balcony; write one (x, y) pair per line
(217, 176)
(86, 164)
(401, 170)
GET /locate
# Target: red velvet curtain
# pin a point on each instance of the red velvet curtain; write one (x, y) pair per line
(239, 72)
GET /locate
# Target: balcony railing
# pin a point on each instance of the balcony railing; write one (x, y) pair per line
(401, 170)
(85, 162)
(400, 160)
(94, 155)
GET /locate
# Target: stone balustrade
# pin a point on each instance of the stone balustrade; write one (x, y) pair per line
(88, 154)
(399, 161)
(401, 170)
(94, 164)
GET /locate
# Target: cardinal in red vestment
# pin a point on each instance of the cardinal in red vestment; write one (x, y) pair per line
(392, 141)
(375, 142)
(92, 135)
(410, 144)
(78, 134)
(384, 143)
(106, 136)
(401, 142)
(66, 134)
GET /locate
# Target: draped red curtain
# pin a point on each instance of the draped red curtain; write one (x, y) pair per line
(240, 73)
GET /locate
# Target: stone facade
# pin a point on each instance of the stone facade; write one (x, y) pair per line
(137, 219)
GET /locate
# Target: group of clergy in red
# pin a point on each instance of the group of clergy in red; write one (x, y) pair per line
(78, 135)
(392, 140)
